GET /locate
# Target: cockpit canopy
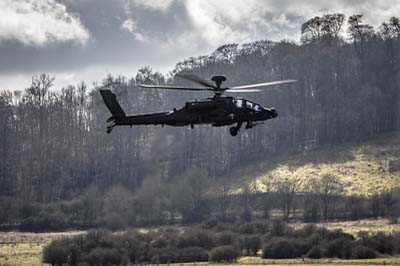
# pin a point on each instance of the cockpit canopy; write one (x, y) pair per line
(241, 103)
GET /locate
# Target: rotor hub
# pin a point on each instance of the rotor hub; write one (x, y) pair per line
(218, 80)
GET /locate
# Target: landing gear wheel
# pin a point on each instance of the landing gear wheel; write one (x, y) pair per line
(233, 131)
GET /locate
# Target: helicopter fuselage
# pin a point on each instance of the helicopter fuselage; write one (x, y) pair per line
(216, 111)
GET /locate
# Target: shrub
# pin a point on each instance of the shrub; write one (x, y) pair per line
(94, 239)
(251, 228)
(196, 238)
(226, 238)
(56, 253)
(250, 243)
(339, 248)
(103, 256)
(382, 243)
(362, 252)
(278, 228)
(160, 243)
(307, 230)
(74, 254)
(224, 253)
(300, 246)
(314, 253)
(163, 255)
(278, 248)
(193, 254)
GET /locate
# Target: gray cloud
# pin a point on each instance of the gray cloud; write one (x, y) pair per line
(122, 35)
(38, 22)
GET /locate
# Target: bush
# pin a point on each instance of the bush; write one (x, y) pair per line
(278, 228)
(250, 243)
(339, 248)
(300, 246)
(196, 238)
(163, 255)
(307, 230)
(193, 254)
(382, 243)
(224, 253)
(226, 238)
(362, 252)
(95, 239)
(251, 228)
(103, 256)
(278, 248)
(314, 253)
(56, 253)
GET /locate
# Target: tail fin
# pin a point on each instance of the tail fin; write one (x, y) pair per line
(112, 104)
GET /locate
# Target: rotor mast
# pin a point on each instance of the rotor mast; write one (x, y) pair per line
(218, 82)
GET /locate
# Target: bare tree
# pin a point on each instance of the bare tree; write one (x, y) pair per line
(188, 194)
(287, 188)
(268, 185)
(246, 199)
(327, 187)
(223, 198)
(311, 30)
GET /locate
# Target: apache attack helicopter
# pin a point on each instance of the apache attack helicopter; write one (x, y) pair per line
(217, 111)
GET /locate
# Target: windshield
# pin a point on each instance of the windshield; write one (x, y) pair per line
(253, 106)
(247, 104)
(238, 103)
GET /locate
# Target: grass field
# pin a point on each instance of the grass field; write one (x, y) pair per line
(259, 261)
(353, 227)
(362, 168)
(20, 254)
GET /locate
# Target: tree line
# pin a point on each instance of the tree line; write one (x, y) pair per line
(55, 156)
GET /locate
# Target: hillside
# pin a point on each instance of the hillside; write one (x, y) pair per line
(364, 168)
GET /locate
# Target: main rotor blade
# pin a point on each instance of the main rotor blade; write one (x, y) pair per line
(166, 87)
(272, 83)
(197, 80)
(250, 90)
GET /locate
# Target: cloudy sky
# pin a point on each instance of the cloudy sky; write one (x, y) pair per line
(84, 40)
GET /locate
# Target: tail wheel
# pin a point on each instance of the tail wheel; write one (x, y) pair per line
(233, 131)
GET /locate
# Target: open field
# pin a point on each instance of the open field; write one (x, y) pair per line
(20, 254)
(362, 168)
(259, 261)
(315, 262)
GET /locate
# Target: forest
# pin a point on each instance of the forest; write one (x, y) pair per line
(59, 169)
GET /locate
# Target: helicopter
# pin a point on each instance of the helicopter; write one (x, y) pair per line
(217, 111)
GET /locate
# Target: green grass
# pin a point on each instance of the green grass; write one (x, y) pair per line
(20, 254)
(259, 261)
(362, 168)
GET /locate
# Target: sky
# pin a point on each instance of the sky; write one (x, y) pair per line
(84, 40)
